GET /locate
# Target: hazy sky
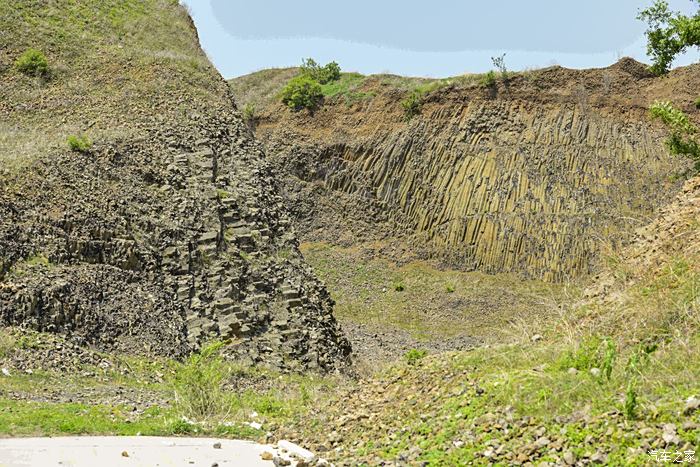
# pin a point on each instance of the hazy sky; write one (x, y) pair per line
(434, 38)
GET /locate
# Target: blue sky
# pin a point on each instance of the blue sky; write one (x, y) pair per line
(435, 38)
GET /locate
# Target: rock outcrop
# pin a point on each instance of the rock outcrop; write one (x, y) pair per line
(533, 177)
(164, 239)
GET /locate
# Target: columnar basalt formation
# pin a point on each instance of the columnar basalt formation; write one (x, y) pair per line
(530, 179)
(159, 242)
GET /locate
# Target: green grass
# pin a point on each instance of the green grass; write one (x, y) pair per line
(343, 86)
(19, 418)
(204, 395)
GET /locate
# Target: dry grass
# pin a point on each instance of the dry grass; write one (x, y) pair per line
(115, 69)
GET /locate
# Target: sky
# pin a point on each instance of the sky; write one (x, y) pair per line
(435, 38)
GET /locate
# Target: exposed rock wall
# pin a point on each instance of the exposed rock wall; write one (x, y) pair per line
(157, 243)
(169, 241)
(523, 181)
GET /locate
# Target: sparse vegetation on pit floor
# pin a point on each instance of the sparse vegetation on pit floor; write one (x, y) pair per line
(428, 302)
(585, 390)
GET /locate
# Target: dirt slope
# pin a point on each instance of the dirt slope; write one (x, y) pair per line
(170, 230)
(531, 176)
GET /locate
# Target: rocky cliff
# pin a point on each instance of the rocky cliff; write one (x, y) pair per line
(532, 175)
(170, 230)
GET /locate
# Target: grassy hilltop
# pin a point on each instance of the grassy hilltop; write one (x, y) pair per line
(114, 68)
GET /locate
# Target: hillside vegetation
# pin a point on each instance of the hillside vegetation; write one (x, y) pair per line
(113, 68)
(613, 378)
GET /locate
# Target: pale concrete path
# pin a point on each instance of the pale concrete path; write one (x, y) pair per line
(146, 451)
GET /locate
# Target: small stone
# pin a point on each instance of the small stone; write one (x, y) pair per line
(280, 461)
(595, 372)
(488, 453)
(6, 372)
(542, 442)
(266, 456)
(217, 445)
(599, 457)
(690, 425)
(671, 438)
(572, 371)
(536, 338)
(691, 405)
(569, 458)
(125, 454)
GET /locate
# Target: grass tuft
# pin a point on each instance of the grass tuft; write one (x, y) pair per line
(79, 143)
(198, 384)
(33, 63)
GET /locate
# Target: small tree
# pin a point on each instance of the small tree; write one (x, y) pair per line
(322, 74)
(682, 140)
(330, 72)
(669, 34)
(32, 63)
(500, 64)
(302, 92)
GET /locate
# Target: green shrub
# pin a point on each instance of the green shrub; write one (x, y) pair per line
(32, 63)
(697, 103)
(412, 104)
(322, 74)
(414, 355)
(399, 287)
(249, 114)
(302, 92)
(682, 140)
(79, 143)
(489, 80)
(198, 384)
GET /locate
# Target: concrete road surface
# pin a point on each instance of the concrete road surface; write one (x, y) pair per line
(131, 451)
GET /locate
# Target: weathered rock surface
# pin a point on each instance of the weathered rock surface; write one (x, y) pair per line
(532, 179)
(155, 244)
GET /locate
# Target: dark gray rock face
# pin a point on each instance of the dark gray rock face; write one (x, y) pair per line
(159, 244)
